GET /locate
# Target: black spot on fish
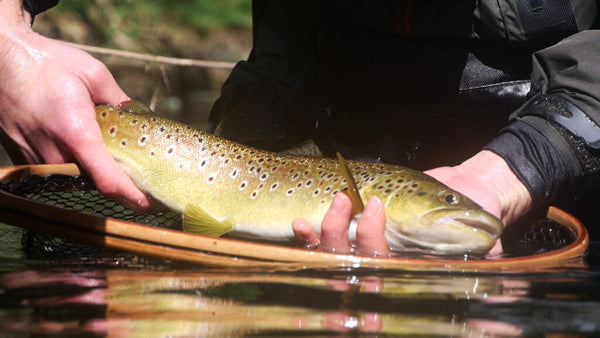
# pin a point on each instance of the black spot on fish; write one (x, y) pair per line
(421, 193)
(309, 183)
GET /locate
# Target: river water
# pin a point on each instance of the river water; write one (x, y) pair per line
(104, 293)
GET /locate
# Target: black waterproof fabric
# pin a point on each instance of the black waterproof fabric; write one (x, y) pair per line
(423, 84)
(35, 7)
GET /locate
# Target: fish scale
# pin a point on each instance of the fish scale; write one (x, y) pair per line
(252, 193)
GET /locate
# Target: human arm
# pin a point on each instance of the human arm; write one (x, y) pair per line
(47, 95)
(543, 154)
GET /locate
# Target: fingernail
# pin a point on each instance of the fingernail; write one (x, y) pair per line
(373, 206)
(338, 204)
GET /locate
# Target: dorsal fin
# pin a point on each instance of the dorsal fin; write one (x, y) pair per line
(357, 203)
(306, 148)
(135, 106)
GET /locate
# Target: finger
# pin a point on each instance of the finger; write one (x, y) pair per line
(496, 251)
(370, 239)
(86, 144)
(304, 234)
(334, 230)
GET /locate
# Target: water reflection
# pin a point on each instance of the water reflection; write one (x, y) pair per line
(193, 302)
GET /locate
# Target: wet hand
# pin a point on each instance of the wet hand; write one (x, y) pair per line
(370, 238)
(488, 181)
(48, 91)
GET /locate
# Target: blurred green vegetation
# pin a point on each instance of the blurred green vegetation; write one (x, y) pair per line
(137, 18)
(199, 15)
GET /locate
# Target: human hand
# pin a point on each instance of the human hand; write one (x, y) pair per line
(370, 238)
(488, 181)
(48, 91)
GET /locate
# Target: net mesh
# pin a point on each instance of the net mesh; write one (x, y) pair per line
(527, 237)
(77, 193)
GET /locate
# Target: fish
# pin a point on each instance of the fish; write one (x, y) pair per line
(223, 187)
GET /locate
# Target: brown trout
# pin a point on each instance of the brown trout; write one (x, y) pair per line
(223, 187)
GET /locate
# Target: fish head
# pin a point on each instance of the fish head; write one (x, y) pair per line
(426, 216)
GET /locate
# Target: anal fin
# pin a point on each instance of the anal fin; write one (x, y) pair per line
(198, 221)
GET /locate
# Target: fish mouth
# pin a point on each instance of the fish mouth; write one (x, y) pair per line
(476, 219)
(451, 231)
(480, 225)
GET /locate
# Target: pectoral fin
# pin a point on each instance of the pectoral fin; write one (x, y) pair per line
(134, 106)
(357, 203)
(197, 221)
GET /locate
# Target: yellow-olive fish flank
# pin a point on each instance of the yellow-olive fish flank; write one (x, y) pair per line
(225, 187)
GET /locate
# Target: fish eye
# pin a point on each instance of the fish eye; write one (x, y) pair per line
(450, 198)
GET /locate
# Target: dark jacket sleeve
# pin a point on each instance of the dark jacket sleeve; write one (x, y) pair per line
(553, 141)
(35, 7)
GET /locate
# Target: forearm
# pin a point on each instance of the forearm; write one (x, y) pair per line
(553, 141)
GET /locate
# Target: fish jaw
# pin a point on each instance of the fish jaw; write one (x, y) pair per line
(447, 232)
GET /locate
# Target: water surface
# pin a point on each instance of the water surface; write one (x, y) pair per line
(116, 294)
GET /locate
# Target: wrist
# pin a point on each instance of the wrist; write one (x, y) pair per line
(493, 173)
